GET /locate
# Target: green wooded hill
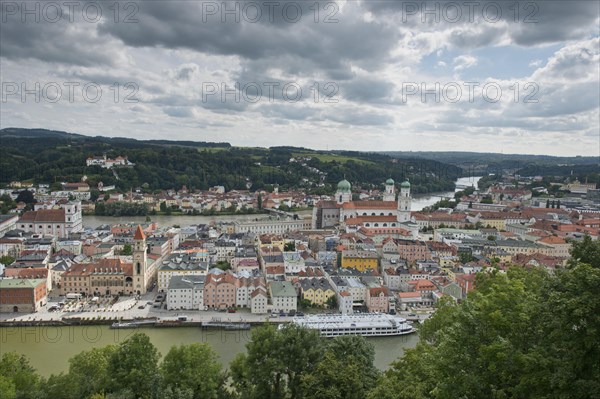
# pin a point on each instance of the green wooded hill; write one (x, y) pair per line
(479, 163)
(45, 156)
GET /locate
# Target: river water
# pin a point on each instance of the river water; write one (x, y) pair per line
(49, 348)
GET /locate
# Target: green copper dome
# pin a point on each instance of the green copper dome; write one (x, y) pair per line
(344, 186)
(389, 182)
(405, 184)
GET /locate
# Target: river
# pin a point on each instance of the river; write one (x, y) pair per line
(419, 202)
(49, 348)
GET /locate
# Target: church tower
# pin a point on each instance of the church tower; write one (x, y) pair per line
(390, 191)
(404, 199)
(139, 261)
(344, 192)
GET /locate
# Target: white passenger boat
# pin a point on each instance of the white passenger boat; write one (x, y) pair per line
(365, 324)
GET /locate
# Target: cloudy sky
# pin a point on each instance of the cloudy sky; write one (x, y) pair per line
(492, 76)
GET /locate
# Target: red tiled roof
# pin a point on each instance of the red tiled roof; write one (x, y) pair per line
(552, 240)
(26, 272)
(139, 233)
(370, 205)
(275, 269)
(101, 266)
(44, 216)
(378, 290)
(409, 294)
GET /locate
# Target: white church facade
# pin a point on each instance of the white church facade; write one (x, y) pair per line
(389, 215)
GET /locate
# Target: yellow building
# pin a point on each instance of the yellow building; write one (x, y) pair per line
(496, 222)
(273, 241)
(360, 260)
(316, 290)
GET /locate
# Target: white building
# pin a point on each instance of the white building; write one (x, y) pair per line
(345, 302)
(272, 226)
(371, 214)
(7, 223)
(245, 288)
(259, 301)
(181, 264)
(283, 296)
(293, 262)
(57, 222)
(186, 293)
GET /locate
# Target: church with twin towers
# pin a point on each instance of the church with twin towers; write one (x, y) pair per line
(384, 216)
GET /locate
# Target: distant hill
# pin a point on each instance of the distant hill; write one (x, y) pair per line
(37, 133)
(44, 133)
(482, 158)
(46, 156)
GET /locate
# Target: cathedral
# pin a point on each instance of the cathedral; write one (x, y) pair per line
(389, 213)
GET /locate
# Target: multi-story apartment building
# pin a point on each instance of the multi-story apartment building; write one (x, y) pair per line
(283, 296)
(186, 292)
(220, 291)
(360, 260)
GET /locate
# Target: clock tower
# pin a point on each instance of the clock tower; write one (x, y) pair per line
(140, 277)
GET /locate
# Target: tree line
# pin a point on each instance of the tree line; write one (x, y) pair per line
(160, 166)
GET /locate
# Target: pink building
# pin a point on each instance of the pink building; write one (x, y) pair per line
(220, 291)
(377, 300)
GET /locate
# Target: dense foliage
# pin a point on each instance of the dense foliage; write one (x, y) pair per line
(162, 165)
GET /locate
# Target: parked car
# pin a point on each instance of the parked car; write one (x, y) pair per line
(231, 310)
(142, 307)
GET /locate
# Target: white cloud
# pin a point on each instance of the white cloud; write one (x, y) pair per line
(463, 62)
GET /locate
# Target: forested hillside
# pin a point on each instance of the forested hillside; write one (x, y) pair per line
(51, 157)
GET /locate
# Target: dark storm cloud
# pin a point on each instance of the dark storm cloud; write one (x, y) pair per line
(303, 47)
(57, 32)
(527, 23)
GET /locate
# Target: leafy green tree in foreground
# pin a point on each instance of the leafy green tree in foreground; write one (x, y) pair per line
(346, 370)
(586, 251)
(333, 379)
(18, 376)
(275, 361)
(89, 371)
(297, 363)
(193, 368)
(133, 366)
